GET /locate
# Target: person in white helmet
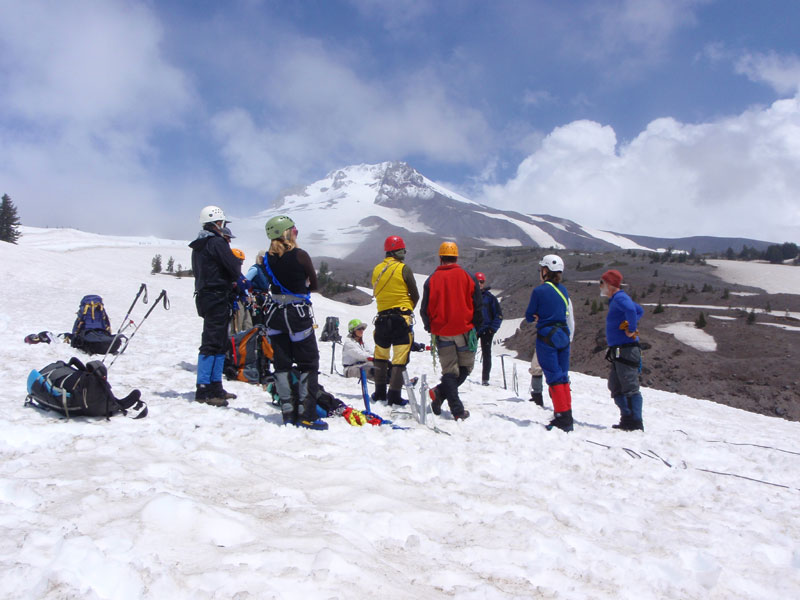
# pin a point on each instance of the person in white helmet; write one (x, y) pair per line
(215, 269)
(551, 308)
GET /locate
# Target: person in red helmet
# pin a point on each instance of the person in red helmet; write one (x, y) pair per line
(492, 317)
(395, 291)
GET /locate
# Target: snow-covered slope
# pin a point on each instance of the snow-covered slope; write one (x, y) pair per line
(201, 502)
(340, 213)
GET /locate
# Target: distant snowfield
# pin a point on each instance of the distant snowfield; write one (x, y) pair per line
(773, 279)
(685, 332)
(200, 502)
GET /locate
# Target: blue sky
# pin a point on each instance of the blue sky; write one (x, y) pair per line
(657, 117)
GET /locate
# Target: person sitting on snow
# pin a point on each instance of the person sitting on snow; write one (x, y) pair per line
(355, 352)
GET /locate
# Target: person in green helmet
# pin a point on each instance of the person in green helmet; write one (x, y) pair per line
(355, 352)
(290, 323)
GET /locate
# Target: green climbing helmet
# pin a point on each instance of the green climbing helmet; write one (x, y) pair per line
(355, 324)
(277, 225)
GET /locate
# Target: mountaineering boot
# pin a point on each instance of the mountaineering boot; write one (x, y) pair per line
(204, 395)
(635, 402)
(537, 398)
(635, 425)
(132, 405)
(436, 400)
(449, 389)
(462, 416)
(381, 376)
(284, 389)
(316, 424)
(623, 425)
(485, 382)
(307, 387)
(394, 398)
(562, 407)
(220, 392)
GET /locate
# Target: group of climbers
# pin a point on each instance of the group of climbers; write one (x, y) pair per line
(457, 309)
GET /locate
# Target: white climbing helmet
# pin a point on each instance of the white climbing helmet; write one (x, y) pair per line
(552, 262)
(211, 214)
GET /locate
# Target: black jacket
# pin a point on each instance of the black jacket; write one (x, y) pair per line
(214, 265)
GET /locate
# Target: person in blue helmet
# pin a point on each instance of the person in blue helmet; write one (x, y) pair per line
(216, 270)
(624, 353)
(551, 308)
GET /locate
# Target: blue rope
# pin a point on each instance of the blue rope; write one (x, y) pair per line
(306, 297)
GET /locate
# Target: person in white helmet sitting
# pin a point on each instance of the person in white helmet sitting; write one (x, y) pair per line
(551, 308)
(356, 354)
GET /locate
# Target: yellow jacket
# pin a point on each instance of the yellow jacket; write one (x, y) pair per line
(389, 287)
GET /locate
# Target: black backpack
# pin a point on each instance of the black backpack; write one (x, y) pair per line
(75, 389)
(91, 331)
(330, 332)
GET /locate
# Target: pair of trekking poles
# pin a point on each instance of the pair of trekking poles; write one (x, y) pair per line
(126, 322)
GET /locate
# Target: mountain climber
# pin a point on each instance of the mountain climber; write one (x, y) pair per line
(492, 317)
(395, 291)
(452, 310)
(241, 311)
(355, 352)
(624, 353)
(290, 322)
(260, 290)
(551, 308)
(215, 269)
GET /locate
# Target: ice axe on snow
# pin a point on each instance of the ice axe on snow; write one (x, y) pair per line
(164, 300)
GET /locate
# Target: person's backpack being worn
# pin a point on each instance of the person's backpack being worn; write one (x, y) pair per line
(91, 331)
(75, 389)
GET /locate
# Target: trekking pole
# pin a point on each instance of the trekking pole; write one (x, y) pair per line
(514, 380)
(125, 322)
(503, 365)
(165, 301)
(333, 355)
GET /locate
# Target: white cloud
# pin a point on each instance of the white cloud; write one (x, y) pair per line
(736, 176)
(324, 113)
(782, 73)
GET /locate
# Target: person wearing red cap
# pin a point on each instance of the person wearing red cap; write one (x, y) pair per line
(624, 353)
(395, 291)
(492, 317)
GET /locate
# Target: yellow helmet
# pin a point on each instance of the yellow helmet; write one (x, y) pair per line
(238, 253)
(448, 249)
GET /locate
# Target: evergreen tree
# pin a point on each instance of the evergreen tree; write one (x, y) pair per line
(9, 221)
(700, 322)
(156, 263)
(751, 317)
(170, 265)
(659, 308)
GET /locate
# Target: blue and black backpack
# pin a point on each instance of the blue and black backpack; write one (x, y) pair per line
(92, 329)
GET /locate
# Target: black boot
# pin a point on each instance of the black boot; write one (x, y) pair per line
(220, 392)
(562, 421)
(624, 424)
(635, 425)
(394, 398)
(537, 398)
(205, 395)
(449, 389)
(436, 400)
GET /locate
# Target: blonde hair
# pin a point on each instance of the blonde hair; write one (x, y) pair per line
(279, 246)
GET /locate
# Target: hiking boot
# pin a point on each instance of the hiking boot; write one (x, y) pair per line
(220, 392)
(562, 421)
(536, 397)
(635, 425)
(395, 399)
(462, 416)
(206, 396)
(318, 425)
(623, 425)
(436, 400)
(484, 383)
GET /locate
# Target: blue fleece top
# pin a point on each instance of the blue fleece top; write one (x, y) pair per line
(622, 308)
(546, 303)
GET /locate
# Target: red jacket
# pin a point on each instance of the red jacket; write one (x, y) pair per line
(451, 302)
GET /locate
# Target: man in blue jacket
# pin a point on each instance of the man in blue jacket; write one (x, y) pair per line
(624, 353)
(492, 317)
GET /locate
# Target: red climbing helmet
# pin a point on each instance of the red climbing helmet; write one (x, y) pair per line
(392, 243)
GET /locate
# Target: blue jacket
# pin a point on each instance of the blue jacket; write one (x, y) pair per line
(492, 313)
(550, 307)
(622, 308)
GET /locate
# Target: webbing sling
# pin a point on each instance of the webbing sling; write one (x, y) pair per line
(558, 291)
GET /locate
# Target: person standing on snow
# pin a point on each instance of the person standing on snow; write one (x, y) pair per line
(290, 323)
(215, 269)
(492, 317)
(355, 353)
(452, 310)
(395, 292)
(624, 353)
(551, 308)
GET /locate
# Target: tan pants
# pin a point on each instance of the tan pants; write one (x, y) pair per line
(454, 353)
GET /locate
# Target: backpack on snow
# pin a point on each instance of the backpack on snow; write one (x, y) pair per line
(91, 331)
(248, 356)
(75, 389)
(330, 332)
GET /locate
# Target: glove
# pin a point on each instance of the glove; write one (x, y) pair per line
(631, 334)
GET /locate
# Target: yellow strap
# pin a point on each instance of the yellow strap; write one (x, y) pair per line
(558, 291)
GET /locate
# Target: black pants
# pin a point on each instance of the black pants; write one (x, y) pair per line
(304, 354)
(215, 308)
(486, 353)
